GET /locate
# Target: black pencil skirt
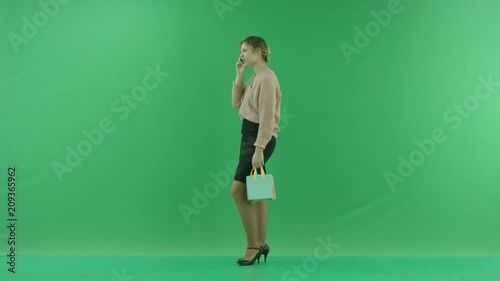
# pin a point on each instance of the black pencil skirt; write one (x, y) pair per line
(249, 132)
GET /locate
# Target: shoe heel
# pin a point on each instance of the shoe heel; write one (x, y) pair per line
(265, 251)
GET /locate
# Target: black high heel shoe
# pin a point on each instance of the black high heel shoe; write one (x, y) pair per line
(241, 261)
(265, 251)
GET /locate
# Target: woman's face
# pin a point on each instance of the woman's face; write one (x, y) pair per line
(248, 55)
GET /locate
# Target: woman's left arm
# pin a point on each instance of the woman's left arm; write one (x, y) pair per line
(266, 106)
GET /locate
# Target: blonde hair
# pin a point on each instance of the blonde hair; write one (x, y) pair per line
(257, 42)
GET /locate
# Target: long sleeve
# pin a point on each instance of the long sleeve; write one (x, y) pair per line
(267, 100)
(237, 95)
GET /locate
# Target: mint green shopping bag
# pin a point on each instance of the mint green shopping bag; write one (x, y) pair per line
(260, 188)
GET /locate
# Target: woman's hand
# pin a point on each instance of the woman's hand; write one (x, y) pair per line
(240, 68)
(258, 158)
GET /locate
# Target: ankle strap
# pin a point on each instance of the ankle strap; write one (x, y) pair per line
(253, 248)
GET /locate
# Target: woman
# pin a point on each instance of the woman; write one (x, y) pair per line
(259, 110)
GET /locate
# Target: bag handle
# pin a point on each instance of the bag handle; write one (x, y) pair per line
(254, 173)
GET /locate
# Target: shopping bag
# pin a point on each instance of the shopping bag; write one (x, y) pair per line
(260, 188)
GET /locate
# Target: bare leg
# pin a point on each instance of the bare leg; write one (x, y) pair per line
(247, 214)
(261, 215)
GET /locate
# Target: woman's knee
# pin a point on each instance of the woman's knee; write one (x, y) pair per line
(238, 189)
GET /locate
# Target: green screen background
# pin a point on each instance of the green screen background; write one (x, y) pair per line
(346, 121)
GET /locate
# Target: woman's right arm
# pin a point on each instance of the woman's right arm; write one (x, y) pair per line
(238, 91)
(239, 79)
(238, 87)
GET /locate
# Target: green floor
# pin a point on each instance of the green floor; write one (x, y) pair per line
(40, 268)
